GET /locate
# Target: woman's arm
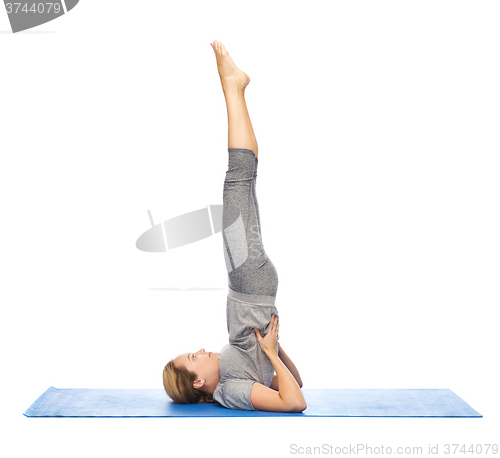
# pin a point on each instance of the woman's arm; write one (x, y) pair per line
(288, 388)
(289, 398)
(289, 364)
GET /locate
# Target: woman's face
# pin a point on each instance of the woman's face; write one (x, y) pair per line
(204, 364)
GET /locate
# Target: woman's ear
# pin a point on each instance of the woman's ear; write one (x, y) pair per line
(197, 384)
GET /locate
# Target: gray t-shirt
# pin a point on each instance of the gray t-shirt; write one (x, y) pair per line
(242, 362)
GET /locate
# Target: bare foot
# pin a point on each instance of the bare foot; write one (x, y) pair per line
(229, 73)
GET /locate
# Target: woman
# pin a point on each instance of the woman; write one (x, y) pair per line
(241, 375)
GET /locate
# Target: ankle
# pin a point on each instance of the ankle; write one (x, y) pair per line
(232, 84)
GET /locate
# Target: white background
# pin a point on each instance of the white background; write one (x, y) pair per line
(377, 124)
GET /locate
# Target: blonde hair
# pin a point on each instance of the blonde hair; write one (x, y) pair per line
(178, 383)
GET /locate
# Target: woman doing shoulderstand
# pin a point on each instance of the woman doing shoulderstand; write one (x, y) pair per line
(251, 372)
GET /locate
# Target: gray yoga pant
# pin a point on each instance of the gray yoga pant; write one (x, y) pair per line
(250, 271)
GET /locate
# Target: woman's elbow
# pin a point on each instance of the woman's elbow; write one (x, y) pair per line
(300, 405)
(299, 408)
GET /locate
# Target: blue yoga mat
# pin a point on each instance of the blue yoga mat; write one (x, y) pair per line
(75, 402)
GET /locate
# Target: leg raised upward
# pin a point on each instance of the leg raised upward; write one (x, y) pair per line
(234, 82)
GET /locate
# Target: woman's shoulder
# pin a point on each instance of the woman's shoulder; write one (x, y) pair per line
(234, 393)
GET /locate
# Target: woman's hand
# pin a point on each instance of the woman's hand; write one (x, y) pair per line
(268, 343)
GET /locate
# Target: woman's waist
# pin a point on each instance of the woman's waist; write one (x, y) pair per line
(253, 299)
